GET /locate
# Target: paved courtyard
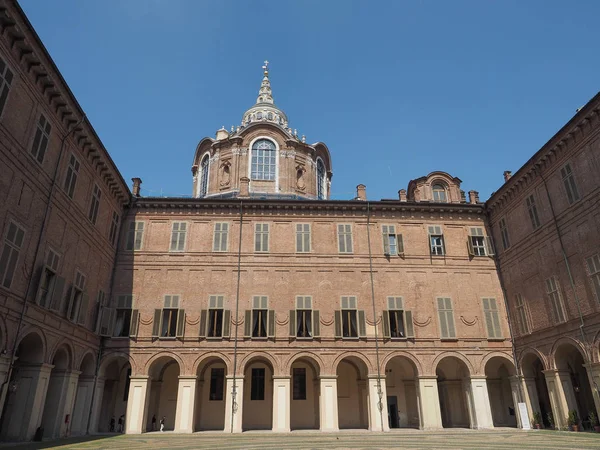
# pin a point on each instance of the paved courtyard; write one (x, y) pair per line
(405, 439)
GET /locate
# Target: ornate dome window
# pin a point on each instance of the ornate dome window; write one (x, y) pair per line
(270, 116)
(204, 177)
(320, 179)
(259, 116)
(264, 160)
(439, 193)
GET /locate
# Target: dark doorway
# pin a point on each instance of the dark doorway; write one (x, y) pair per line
(392, 403)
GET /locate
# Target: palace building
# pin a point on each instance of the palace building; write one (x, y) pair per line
(258, 303)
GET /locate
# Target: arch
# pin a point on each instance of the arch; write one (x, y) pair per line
(530, 352)
(438, 359)
(318, 366)
(206, 357)
(322, 151)
(566, 340)
(401, 373)
(69, 351)
(87, 366)
(35, 350)
(211, 370)
(203, 175)
(62, 358)
(201, 148)
(400, 353)
(110, 357)
(498, 369)
(356, 355)
(439, 191)
(162, 355)
(596, 348)
(305, 391)
(258, 140)
(257, 412)
(453, 380)
(352, 372)
(253, 356)
(492, 355)
(163, 372)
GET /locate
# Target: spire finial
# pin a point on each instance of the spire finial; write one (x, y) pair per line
(266, 68)
(264, 94)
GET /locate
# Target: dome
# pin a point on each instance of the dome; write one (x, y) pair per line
(264, 109)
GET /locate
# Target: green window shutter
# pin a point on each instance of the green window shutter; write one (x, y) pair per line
(156, 323)
(271, 323)
(203, 322)
(292, 323)
(83, 308)
(70, 301)
(470, 246)
(226, 323)
(489, 246)
(41, 277)
(386, 324)
(316, 329)
(386, 240)
(408, 324)
(106, 322)
(400, 244)
(450, 320)
(362, 324)
(338, 323)
(180, 330)
(248, 324)
(134, 325)
(57, 294)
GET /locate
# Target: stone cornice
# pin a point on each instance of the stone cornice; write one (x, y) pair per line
(41, 71)
(571, 134)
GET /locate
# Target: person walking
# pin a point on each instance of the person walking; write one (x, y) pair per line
(154, 422)
(112, 424)
(162, 423)
(121, 423)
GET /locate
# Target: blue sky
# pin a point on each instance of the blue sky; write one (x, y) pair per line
(395, 89)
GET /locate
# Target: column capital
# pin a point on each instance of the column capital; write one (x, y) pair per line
(375, 377)
(427, 377)
(328, 377)
(478, 377)
(188, 377)
(550, 371)
(237, 377)
(139, 377)
(282, 377)
(594, 365)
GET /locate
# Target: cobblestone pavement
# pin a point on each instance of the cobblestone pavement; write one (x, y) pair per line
(405, 439)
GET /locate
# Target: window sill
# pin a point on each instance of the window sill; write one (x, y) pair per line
(167, 338)
(352, 338)
(498, 339)
(452, 339)
(120, 337)
(214, 338)
(398, 338)
(256, 338)
(298, 338)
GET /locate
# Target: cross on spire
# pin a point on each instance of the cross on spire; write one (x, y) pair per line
(266, 67)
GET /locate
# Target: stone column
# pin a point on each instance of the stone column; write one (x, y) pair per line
(281, 403)
(377, 409)
(82, 406)
(25, 406)
(234, 401)
(97, 406)
(4, 365)
(593, 371)
(328, 404)
(186, 396)
(71, 379)
(430, 416)
(482, 412)
(531, 396)
(559, 399)
(135, 419)
(564, 378)
(516, 391)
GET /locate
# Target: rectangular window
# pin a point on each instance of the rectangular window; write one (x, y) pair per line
(95, 204)
(100, 304)
(302, 237)
(71, 177)
(446, 315)
(492, 320)
(257, 391)
(304, 317)
(259, 316)
(6, 77)
(220, 237)
(123, 316)
(593, 265)
(522, 321)
(178, 233)
(217, 384)
(41, 138)
(436, 240)
(554, 297)
(76, 301)
(504, 233)
(215, 316)
(533, 214)
(396, 317)
(48, 279)
(114, 226)
(169, 316)
(135, 233)
(261, 237)
(349, 317)
(390, 240)
(10, 253)
(299, 381)
(569, 182)
(477, 242)
(345, 238)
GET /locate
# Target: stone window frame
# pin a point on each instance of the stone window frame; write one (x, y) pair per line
(175, 315)
(491, 314)
(71, 175)
(321, 179)
(276, 160)
(218, 237)
(389, 249)
(5, 83)
(522, 312)
(204, 175)
(304, 306)
(436, 248)
(78, 299)
(445, 308)
(567, 176)
(40, 139)
(504, 233)
(179, 244)
(114, 228)
(593, 270)
(48, 278)
(435, 192)
(531, 206)
(478, 244)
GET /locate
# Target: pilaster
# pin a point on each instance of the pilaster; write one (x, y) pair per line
(234, 401)
(186, 396)
(430, 416)
(482, 412)
(377, 405)
(135, 419)
(328, 404)
(593, 371)
(281, 403)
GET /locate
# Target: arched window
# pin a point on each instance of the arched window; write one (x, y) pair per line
(320, 180)
(263, 160)
(203, 177)
(439, 193)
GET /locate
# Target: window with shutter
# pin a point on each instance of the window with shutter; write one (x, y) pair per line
(522, 315)
(41, 138)
(114, 227)
(170, 320)
(344, 238)
(533, 213)
(569, 182)
(555, 299)
(178, 235)
(593, 266)
(260, 316)
(94, 204)
(395, 317)
(446, 317)
(390, 240)
(504, 233)
(48, 278)
(6, 78)
(261, 237)
(477, 245)
(302, 237)
(220, 237)
(135, 234)
(349, 317)
(303, 317)
(492, 320)
(13, 242)
(436, 240)
(215, 316)
(123, 312)
(76, 297)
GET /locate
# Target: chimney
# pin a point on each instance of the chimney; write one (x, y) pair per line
(402, 195)
(244, 187)
(361, 192)
(463, 197)
(222, 134)
(507, 175)
(473, 197)
(137, 182)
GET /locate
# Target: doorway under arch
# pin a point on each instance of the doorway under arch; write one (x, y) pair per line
(257, 408)
(115, 377)
(401, 386)
(83, 397)
(210, 395)
(304, 395)
(58, 395)
(537, 390)
(163, 376)
(454, 388)
(352, 392)
(498, 371)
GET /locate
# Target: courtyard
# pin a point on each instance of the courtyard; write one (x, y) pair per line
(405, 439)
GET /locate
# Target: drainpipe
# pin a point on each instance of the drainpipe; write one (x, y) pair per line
(35, 260)
(379, 391)
(237, 305)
